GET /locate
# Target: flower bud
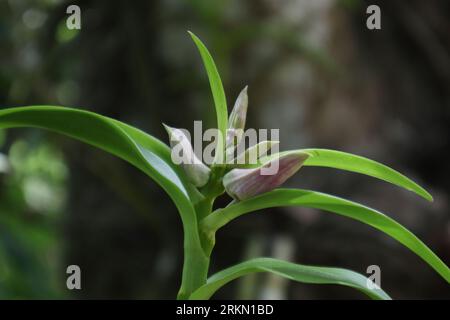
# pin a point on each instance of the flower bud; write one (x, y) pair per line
(239, 113)
(183, 154)
(234, 136)
(243, 184)
(236, 124)
(252, 154)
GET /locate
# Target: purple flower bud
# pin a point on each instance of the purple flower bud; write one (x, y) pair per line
(183, 154)
(243, 184)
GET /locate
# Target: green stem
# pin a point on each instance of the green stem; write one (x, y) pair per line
(196, 261)
(217, 220)
(196, 265)
(195, 271)
(204, 209)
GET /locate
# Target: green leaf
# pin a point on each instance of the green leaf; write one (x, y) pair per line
(350, 162)
(354, 163)
(141, 150)
(217, 92)
(317, 200)
(101, 132)
(292, 271)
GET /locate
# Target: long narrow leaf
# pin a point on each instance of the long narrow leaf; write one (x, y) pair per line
(99, 131)
(292, 271)
(141, 150)
(317, 200)
(217, 92)
(350, 162)
(354, 163)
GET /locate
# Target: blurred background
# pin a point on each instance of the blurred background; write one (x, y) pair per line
(314, 70)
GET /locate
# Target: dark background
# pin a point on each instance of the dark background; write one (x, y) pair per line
(314, 70)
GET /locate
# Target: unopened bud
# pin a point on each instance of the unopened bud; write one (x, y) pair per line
(236, 124)
(252, 154)
(183, 154)
(243, 184)
(234, 136)
(239, 113)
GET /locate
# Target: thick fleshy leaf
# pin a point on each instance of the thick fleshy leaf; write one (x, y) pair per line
(292, 271)
(141, 150)
(218, 93)
(317, 200)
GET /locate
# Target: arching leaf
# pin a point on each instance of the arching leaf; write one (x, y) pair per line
(350, 162)
(317, 200)
(141, 150)
(354, 163)
(292, 271)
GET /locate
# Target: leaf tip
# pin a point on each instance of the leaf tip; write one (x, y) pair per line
(427, 196)
(193, 36)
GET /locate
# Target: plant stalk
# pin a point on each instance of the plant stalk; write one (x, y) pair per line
(195, 272)
(196, 266)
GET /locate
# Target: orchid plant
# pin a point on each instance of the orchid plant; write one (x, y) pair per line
(194, 186)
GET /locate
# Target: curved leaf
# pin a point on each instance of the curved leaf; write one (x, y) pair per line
(292, 271)
(101, 132)
(151, 143)
(141, 150)
(217, 92)
(317, 200)
(354, 163)
(350, 162)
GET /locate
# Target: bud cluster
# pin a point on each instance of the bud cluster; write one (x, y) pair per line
(239, 181)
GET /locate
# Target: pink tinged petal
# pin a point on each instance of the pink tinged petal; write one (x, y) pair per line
(243, 184)
(196, 171)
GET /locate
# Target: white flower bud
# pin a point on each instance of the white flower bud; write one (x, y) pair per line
(183, 154)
